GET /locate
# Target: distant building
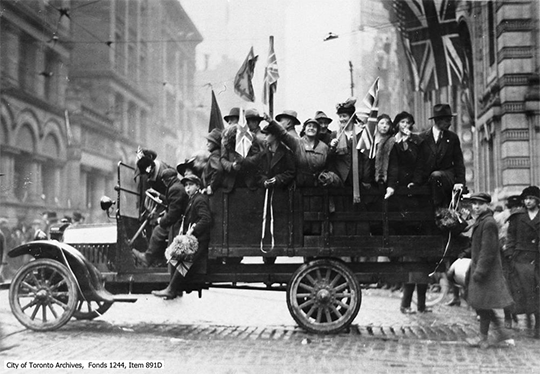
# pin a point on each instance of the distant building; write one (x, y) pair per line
(119, 72)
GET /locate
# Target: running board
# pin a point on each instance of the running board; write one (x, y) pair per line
(124, 299)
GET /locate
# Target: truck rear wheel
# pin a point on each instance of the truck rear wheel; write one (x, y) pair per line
(324, 296)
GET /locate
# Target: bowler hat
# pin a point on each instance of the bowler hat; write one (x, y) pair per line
(320, 115)
(214, 136)
(187, 164)
(235, 112)
(481, 196)
(77, 216)
(442, 110)
(191, 178)
(531, 191)
(289, 114)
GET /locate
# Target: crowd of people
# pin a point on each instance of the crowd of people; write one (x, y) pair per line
(12, 236)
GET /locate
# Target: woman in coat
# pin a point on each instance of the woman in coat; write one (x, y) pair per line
(522, 248)
(310, 153)
(197, 222)
(486, 286)
(212, 171)
(384, 142)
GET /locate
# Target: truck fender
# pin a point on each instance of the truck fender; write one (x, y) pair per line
(88, 278)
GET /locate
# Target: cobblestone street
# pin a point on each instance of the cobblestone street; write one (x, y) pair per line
(230, 331)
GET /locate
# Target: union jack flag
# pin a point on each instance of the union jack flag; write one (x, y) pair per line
(244, 139)
(271, 73)
(368, 115)
(431, 40)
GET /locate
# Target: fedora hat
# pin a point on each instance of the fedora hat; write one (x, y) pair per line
(191, 178)
(320, 115)
(442, 110)
(234, 112)
(253, 113)
(289, 114)
(481, 196)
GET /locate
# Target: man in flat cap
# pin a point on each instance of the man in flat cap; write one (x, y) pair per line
(324, 135)
(487, 288)
(441, 165)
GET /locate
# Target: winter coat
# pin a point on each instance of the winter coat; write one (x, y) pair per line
(279, 165)
(382, 158)
(404, 161)
(487, 288)
(522, 247)
(341, 163)
(247, 175)
(213, 171)
(445, 156)
(309, 161)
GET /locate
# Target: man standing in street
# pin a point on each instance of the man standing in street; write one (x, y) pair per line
(441, 159)
(487, 289)
(168, 225)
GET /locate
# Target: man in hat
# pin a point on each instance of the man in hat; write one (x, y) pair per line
(151, 169)
(523, 251)
(78, 218)
(487, 288)
(233, 116)
(168, 224)
(441, 165)
(288, 119)
(324, 135)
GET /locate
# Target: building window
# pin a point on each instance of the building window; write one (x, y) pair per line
(51, 81)
(491, 33)
(132, 121)
(142, 60)
(118, 52)
(90, 190)
(143, 126)
(27, 64)
(23, 177)
(48, 183)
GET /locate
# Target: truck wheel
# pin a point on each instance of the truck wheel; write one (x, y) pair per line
(43, 295)
(90, 309)
(323, 296)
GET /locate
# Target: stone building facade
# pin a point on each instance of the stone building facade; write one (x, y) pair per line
(81, 89)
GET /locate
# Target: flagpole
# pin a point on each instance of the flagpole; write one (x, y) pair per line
(271, 92)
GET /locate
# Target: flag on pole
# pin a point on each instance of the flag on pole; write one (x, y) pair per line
(368, 115)
(242, 82)
(69, 133)
(216, 120)
(244, 138)
(429, 31)
(271, 74)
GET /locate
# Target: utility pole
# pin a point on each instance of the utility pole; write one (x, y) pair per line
(352, 79)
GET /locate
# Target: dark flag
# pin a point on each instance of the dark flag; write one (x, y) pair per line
(271, 73)
(216, 120)
(242, 82)
(431, 40)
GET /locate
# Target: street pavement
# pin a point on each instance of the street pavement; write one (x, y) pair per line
(244, 331)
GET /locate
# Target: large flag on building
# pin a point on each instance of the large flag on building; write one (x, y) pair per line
(242, 82)
(216, 120)
(271, 73)
(368, 115)
(244, 138)
(431, 41)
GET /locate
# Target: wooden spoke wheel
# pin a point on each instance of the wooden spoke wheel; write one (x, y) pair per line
(91, 309)
(323, 296)
(43, 295)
